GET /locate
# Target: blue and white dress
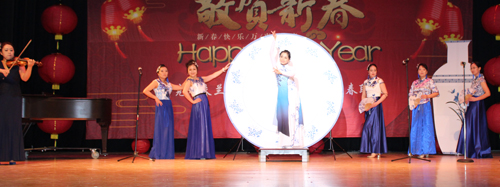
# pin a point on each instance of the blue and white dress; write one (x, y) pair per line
(163, 141)
(373, 138)
(289, 120)
(422, 138)
(478, 145)
(200, 140)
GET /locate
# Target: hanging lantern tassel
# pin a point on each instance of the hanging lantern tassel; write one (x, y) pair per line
(414, 55)
(143, 34)
(119, 50)
(133, 10)
(112, 23)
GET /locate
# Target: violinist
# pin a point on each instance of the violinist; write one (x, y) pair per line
(11, 136)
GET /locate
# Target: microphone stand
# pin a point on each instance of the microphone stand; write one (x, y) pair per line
(465, 159)
(136, 154)
(410, 155)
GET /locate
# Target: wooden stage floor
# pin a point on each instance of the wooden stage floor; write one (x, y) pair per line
(78, 169)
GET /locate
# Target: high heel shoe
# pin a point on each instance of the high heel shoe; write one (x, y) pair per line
(374, 155)
(424, 156)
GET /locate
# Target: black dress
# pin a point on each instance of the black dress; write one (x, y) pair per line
(11, 135)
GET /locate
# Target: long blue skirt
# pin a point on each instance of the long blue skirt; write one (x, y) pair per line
(200, 140)
(163, 141)
(422, 138)
(373, 138)
(282, 106)
(478, 145)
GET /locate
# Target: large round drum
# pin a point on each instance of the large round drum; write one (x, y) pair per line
(251, 90)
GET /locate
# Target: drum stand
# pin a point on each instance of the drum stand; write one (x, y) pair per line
(330, 138)
(240, 143)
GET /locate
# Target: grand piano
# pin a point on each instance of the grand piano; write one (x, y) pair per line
(39, 107)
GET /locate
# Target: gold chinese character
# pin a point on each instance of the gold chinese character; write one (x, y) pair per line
(257, 16)
(208, 10)
(334, 15)
(288, 14)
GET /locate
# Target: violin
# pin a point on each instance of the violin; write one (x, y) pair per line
(20, 62)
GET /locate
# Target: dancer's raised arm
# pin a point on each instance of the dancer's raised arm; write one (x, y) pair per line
(216, 74)
(273, 54)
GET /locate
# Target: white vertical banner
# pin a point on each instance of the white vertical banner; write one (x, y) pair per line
(449, 79)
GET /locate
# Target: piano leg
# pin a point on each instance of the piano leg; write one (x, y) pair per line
(104, 136)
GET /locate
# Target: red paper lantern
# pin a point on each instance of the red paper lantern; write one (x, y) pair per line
(59, 20)
(491, 21)
(57, 69)
(452, 27)
(142, 146)
(133, 11)
(55, 127)
(112, 22)
(430, 15)
(317, 147)
(492, 71)
(493, 118)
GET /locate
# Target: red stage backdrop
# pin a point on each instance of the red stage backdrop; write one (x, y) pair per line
(126, 34)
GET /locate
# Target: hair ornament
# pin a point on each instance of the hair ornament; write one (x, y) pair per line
(159, 67)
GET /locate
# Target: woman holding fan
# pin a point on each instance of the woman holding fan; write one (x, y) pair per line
(373, 139)
(422, 138)
(478, 145)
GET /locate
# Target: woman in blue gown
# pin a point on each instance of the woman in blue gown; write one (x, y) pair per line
(289, 120)
(163, 140)
(478, 145)
(373, 139)
(200, 141)
(11, 135)
(422, 138)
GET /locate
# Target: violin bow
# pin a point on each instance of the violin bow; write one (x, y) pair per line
(13, 64)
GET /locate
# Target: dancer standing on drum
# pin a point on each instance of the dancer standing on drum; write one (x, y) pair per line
(200, 140)
(373, 139)
(478, 145)
(288, 110)
(422, 124)
(163, 141)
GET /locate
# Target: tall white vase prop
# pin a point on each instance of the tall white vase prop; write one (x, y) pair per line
(449, 80)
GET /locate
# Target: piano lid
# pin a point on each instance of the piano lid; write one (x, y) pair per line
(40, 107)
